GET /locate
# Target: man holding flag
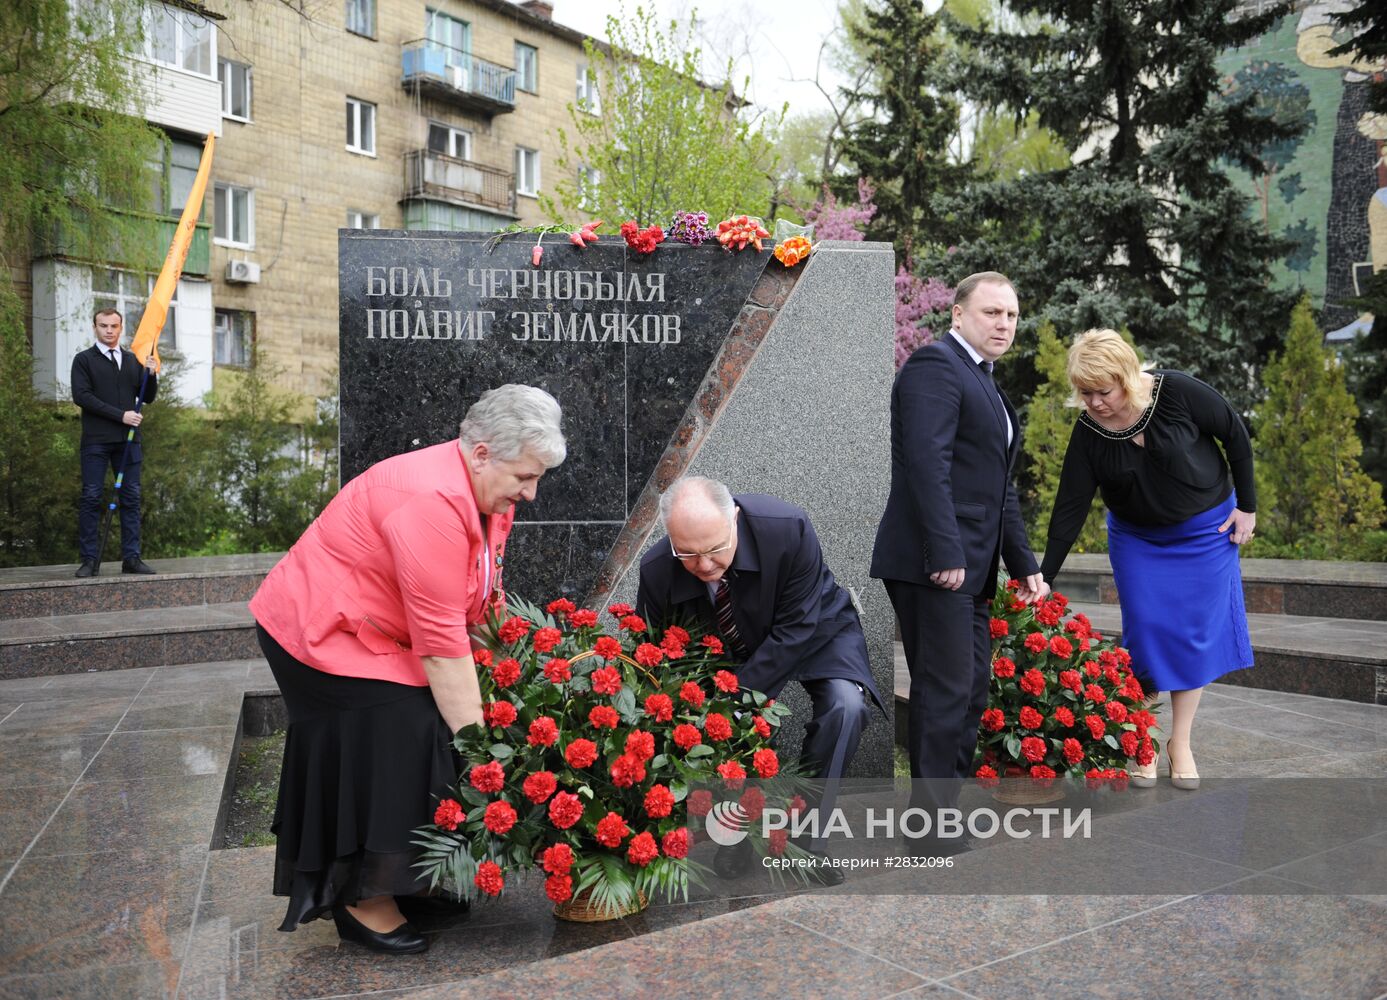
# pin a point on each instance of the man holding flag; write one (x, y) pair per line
(107, 384)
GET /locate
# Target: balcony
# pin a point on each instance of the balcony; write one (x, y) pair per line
(446, 178)
(452, 75)
(141, 242)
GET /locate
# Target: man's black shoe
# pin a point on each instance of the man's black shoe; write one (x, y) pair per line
(88, 568)
(824, 872)
(137, 565)
(734, 861)
(935, 847)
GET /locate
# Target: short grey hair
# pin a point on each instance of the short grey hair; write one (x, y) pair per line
(513, 419)
(710, 489)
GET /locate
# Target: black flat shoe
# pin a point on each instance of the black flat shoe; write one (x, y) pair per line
(403, 940)
(137, 565)
(88, 568)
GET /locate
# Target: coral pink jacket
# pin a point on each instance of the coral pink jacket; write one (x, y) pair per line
(395, 569)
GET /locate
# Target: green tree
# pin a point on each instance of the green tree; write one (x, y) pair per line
(657, 140)
(1049, 421)
(1145, 229)
(1368, 22)
(1308, 479)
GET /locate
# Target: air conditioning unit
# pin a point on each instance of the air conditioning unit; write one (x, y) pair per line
(243, 272)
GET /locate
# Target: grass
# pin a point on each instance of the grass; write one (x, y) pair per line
(254, 792)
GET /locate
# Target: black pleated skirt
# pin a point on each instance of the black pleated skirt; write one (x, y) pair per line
(365, 763)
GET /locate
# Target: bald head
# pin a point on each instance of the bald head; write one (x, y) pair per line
(700, 517)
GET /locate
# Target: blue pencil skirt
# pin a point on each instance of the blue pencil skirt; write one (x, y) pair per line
(1181, 590)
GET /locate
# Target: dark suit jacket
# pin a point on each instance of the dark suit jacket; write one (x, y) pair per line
(952, 502)
(793, 617)
(105, 394)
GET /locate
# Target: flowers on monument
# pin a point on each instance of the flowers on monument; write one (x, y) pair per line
(587, 760)
(735, 233)
(581, 237)
(1062, 700)
(691, 228)
(537, 254)
(793, 250)
(642, 240)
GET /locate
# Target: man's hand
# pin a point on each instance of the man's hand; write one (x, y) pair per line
(131, 419)
(1033, 589)
(949, 579)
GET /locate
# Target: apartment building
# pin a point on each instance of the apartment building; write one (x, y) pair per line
(400, 114)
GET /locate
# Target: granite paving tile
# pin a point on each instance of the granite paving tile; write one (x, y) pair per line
(1357, 868)
(16, 630)
(215, 642)
(251, 923)
(46, 760)
(146, 981)
(1212, 947)
(60, 914)
(239, 873)
(132, 756)
(75, 656)
(128, 815)
(1306, 730)
(1218, 740)
(1333, 710)
(23, 811)
(65, 717)
(186, 706)
(86, 685)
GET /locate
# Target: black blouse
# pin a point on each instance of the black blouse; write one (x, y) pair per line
(1178, 472)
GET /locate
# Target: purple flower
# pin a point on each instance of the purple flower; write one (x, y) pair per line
(690, 227)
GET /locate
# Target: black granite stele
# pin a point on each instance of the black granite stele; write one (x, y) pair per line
(429, 321)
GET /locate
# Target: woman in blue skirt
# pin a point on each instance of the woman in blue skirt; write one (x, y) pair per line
(1178, 508)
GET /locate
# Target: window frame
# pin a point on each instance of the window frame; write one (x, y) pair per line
(177, 16)
(370, 6)
(588, 98)
(589, 180)
(355, 124)
(520, 157)
(247, 335)
(226, 85)
(455, 132)
(356, 219)
(230, 191)
(520, 79)
(124, 300)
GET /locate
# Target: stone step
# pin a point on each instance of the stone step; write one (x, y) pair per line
(122, 640)
(49, 591)
(1306, 587)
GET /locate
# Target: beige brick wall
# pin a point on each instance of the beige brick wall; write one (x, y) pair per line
(293, 154)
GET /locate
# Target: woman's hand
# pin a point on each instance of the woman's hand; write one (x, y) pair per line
(1244, 526)
(453, 681)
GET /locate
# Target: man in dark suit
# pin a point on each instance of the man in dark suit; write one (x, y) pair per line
(105, 383)
(952, 512)
(750, 568)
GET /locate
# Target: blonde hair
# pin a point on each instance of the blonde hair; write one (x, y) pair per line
(1099, 358)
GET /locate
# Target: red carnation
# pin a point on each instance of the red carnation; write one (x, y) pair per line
(691, 693)
(546, 639)
(1096, 726)
(580, 753)
(674, 650)
(675, 844)
(631, 623)
(1146, 752)
(1061, 647)
(606, 680)
(1131, 688)
(753, 802)
(778, 841)
(1047, 613)
(563, 606)
(604, 715)
(797, 805)
(1095, 694)
(713, 643)
(765, 761)
(544, 732)
(559, 888)
(993, 719)
(659, 707)
(717, 726)
(1128, 742)
(725, 680)
(488, 778)
(1071, 680)
(762, 727)
(557, 671)
(1030, 718)
(505, 672)
(627, 771)
(659, 802)
(565, 809)
(539, 786)
(611, 830)
(998, 627)
(498, 713)
(732, 773)
(1033, 683)
(700, 803)
(642, 850)
(649, 655)
(987, 776)
(1073, 751)
(1092, 669)
(1033, 749)
(1042, 774)
(499, 817)
(686, 736)
(489, 878)
(481, 657)
(1003, 667)
(557, 859)
(1064, 717)
(1035, 642)
(677, 635)
(607, 648)
(1116, 711)
(1111, 675)
(513, 629)
(582, 618)
(620, 610)
(1124, 657)
(640, 744)
(448, 815)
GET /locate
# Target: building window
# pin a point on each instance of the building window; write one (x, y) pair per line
(357, 219)
(452, 39)
(589, 179)
(587, 90)
(450, 141)
(235, 80)
(234, 218)
(234, 333)
(179, 38)
(361, 126)
(527, 67)
(526, 171)
(361, 17)
(171, 175)
(128, 292)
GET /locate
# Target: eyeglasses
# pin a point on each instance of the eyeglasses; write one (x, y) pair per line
(688, 556)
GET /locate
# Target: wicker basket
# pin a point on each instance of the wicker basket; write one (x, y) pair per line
(1023, 791)
(579, 909)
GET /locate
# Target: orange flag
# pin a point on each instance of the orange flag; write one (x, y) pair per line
(146, 342)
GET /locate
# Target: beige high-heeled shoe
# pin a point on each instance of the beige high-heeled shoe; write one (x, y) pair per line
(1188, 780)
(1142, 777)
